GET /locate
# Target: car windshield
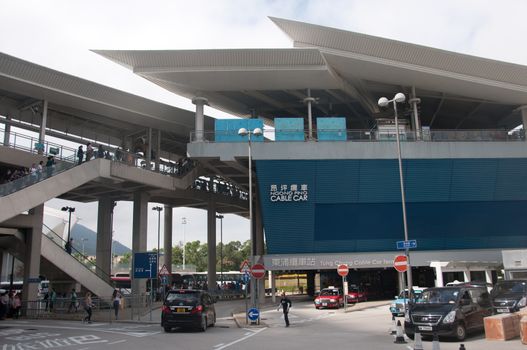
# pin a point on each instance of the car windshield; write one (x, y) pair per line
(182, 298)
(439, 296)
(329, 292)
(404, 295)
(510, 287)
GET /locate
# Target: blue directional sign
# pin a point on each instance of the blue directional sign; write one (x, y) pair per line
(407, 244)
(253, 314)
(246, 277)
(164, 279)
(145, 265)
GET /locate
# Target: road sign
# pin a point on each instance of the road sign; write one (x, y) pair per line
(253, 314)
(407, 244)
(145, 265)
(400, 263)
(244, 267)
(258, 271)
(246, 277)
(164, 279)
(164, 271)
(342, 270)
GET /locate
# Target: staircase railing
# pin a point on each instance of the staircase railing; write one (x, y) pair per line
(77, 255)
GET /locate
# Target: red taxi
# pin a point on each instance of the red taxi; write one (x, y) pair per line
(357, 294)
(329, 298)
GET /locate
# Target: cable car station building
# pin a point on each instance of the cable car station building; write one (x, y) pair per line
(325, 171)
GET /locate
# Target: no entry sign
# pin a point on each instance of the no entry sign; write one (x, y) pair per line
(342, 270)
(400, 263)
(258, 271)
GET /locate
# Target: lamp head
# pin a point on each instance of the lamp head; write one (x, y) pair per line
(243, 132)
(257, 132)
(64, 209)
(399, 97)
(383, 102)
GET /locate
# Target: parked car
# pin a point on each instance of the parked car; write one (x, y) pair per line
(448, 311)
(399, 305)
(188, 308)
(509, 296)
(329, 298)
(357, 294)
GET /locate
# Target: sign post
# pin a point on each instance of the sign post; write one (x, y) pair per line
(343, 271)
(245, 269)
(258, 272)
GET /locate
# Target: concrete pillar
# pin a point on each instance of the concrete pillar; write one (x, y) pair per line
(148, 155)
(416, 122)
(167, 244)
(42, 133)
(3, 264)
(488, 276)
(158, 149)
(104, 237)
(139, 235)
(211, 245)
(439, 273)
(524, 121)
(32, 254)
(200, 102)
(310, 283)
(7, 131)
(272, 285)
(466, 275)
(259, 245)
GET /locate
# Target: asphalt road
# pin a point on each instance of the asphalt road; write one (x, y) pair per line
(310, 329)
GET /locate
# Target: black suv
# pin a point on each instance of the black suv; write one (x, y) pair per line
(448, 311)
(509, 296)
(188, 308)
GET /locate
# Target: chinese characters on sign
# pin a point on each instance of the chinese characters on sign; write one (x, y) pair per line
(288, 193)
(287, 262)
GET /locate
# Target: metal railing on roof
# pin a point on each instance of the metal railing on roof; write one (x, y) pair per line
(273, 135)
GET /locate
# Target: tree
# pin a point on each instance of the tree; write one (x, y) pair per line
(125, 259)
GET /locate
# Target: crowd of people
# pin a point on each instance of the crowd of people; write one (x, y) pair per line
(10, 304)
(219, 186)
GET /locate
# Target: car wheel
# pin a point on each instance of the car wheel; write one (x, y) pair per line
(203, 326)
(167, 329)
(461, 332)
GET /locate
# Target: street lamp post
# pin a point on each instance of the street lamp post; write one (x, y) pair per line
(158, 209)
(248, 133)
(69, 210)
(219, 216)
(184, 223)
(383, 102)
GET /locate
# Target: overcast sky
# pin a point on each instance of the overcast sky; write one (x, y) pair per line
(60, 34)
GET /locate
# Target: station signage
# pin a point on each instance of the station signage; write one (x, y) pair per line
(288, 193)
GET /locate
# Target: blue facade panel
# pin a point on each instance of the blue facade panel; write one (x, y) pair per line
(355, 205)
(289, 129)
(331, 129)
(226, 130)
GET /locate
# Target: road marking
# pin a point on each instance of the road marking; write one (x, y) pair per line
(114, 331)
(117, 342)
(218, 345)
(241, 339)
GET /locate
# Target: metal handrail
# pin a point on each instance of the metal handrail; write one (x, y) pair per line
(271, 135)
(88, 264)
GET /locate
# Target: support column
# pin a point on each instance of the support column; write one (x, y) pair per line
(158, 149)
(466, 275)
(139, 235)
(309, 100)
(148, 154)
(524, 121)
(42, 133)
(415, 120)
(439, 273)
(167, 243)
(200, 102)
(259, 237)
(272, 285)
(7, 131)
(32, 254)
(488, 276)
(211, 245)
(104, 237)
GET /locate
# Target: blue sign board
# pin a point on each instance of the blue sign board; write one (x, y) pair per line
(145, 265)
(407, 244)
(253, 314)
(246, 277)
(164, 279)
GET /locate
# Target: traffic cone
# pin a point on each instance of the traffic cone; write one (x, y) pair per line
(394, 326)
(418, 344)
(462, 347)
(435, 342)
(399, 338)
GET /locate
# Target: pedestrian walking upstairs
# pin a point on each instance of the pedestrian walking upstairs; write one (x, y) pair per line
(80, 154)
(285, 304)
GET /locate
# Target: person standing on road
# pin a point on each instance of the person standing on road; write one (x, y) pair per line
(116, 296)
(87, 307)
(73, 301)
(52, 299)
(285, 304)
